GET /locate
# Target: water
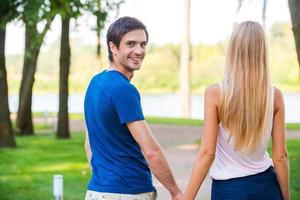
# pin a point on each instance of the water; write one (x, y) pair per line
(167, 105)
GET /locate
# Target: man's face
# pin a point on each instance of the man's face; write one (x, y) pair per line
(131, 51)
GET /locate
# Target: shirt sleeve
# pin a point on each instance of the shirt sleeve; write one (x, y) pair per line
(126, 100)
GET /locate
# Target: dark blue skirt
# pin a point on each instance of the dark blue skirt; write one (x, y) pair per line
(262, 186)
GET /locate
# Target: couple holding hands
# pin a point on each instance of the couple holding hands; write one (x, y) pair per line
(241, 114)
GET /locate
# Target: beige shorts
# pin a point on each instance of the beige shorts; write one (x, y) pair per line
(92, 195)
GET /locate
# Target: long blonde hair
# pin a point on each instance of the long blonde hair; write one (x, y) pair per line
(246, 85)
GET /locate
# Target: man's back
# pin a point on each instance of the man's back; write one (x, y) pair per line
(117, 161)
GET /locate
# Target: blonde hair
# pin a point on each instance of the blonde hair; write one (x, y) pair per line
(246, 85)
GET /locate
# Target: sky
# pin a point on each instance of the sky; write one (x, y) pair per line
(211, 21)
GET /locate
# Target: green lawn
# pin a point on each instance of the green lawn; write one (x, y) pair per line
(26, 172)
(164, 120)
(294, 156)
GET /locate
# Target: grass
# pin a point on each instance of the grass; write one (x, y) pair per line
(27, 171)
(194, 122)
(164, 120)
(294, 158)
(174, 121)
(293, 126)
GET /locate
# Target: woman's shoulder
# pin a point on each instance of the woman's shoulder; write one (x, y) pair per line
(213, 88)
(213, 93)
(278, 99)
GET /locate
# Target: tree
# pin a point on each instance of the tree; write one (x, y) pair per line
(67, 10)
(101, 9)
(8, 12)
(294, 6)
(263, 14)
(64, 70)
(185, 60)
(33, 13)
(100, 21)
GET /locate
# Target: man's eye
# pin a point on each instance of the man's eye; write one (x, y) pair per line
(143, 45)
(130, 44)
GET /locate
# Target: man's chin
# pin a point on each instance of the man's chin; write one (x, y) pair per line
(135, 67)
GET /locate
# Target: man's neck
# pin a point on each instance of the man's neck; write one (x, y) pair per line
(121, 69)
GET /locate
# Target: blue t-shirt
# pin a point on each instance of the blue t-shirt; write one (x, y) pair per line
(118, 165)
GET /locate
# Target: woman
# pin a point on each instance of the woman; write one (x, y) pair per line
(241, 114)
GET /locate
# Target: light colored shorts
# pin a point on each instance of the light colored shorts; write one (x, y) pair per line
(92, 195)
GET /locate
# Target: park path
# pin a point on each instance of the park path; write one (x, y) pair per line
(179, 145)
(178, 142)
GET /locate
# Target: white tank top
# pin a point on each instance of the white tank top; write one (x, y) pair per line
(229, 163)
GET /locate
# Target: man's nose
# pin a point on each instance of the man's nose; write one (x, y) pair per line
(139, 50)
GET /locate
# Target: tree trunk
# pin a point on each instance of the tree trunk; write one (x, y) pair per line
(65, 54)
(98, 44)
(6, 132)
(294, 6)
(24, 118)
(185, 59)
(33, 43)
(98, 29)
(264, 13)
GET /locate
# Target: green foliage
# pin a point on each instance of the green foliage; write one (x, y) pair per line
(8, 11)
(67, 8)
(27, 172)
(29, 169)
(174, 121)
(283, 62)
(294, 158)
(195, 122)
(101, 10)
(160, 69)
(293, 126)
(38, 11)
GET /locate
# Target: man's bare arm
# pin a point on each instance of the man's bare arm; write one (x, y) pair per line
(154, 156)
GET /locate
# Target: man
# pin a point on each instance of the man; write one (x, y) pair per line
(122, 146)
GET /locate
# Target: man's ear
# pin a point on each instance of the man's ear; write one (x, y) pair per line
(113, 47)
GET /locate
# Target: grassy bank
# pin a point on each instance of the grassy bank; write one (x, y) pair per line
(194, 122)
(163, 120)
(27, 171)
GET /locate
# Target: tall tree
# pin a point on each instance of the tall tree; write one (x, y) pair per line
(8, 12)
(34, 13)
(294, 6)
(100, 20)
(67, 10)
(64, 70)
(101, 9)
(185, 60)
(263, 13)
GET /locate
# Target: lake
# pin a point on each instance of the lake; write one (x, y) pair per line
(167, 105)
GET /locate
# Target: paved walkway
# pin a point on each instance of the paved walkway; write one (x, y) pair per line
(178, 143)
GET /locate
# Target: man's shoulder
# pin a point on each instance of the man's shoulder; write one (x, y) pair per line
(97, 76)
(124, 87)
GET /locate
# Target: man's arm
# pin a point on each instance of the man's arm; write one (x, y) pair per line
(154, 156)
(87, 147)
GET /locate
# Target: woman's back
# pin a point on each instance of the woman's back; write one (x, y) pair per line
(231, 163)
(239, 117)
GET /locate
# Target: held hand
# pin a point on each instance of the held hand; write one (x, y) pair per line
(177, 196)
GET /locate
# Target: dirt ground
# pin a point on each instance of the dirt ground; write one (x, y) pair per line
(178, 143)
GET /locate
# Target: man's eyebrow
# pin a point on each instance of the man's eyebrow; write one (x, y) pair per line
(136, 41)
(131, 41)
